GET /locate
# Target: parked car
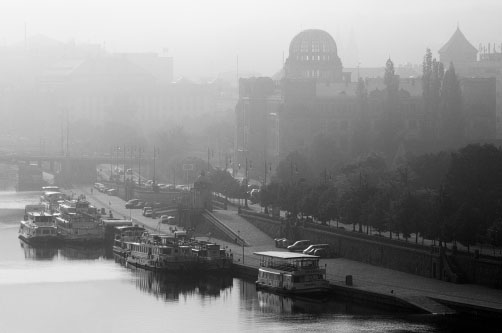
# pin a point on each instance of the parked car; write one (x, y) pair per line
(132, 203)
(254, 195)
(323, 253)
(111, 191)
(147, 211)
(320, 249)
(166, 219)
(281, 242)
(299, 246)
(140, 205)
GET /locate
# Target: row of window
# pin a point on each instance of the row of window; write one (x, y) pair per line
(314, 47)
(312, 58)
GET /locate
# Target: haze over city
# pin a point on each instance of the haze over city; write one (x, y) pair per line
(205, 37)
(250, 166)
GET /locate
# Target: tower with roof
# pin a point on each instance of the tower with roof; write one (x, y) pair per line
(458, 50)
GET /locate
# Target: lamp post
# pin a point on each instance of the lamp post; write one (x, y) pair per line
(248, 166)
(140, 150)
(242, 243)
(124, 165)
(155, 153)
(111, 163)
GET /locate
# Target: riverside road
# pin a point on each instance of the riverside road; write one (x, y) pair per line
(365, 277)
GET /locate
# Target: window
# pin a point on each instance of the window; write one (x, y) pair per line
(315, 47)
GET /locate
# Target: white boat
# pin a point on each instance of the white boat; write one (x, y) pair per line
(291, 273)
(52, 199)
(161, 252)
(78, 221)
(37, 226)
(123, 234)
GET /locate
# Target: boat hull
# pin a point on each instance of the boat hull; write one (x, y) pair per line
(310, 291)
(219, 264)
(39, 240)
(152, 265)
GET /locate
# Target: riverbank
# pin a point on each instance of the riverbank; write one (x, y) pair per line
(370, 283)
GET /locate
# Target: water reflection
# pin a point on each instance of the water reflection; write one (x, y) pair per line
(42, 252)
(170, 287)
(62, 251)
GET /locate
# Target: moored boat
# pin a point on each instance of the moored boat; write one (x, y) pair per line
(78, 221)
(161, 252)
(125, 234)
(291, 273)
(38, 226)
(211, 257)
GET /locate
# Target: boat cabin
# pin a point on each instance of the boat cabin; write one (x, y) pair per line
(290, 272)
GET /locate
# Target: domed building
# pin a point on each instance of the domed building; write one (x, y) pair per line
(313, 55)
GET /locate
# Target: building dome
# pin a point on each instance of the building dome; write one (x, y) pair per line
(313, 55)
(313, 42)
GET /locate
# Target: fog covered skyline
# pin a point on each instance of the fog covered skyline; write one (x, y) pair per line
(205, 38)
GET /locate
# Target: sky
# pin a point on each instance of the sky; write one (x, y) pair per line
(207, 37)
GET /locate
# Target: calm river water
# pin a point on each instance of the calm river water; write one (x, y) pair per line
(84, 290)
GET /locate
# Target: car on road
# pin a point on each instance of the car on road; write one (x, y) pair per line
(320, 250)
(166, 219)
(132, 203)
(299, 246)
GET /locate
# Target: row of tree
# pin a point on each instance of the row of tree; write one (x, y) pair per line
(447, 196)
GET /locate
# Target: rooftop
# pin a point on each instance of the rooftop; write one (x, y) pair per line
(285, 255)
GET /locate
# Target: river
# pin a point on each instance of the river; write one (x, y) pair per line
(72, 289)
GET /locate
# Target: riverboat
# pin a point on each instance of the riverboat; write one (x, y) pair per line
(52, 199)
(211, 257)
(123, 234)
(38, 226)
(291, 273)
(79, 222)
(161, 252)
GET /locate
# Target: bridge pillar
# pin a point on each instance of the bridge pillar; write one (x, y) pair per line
(77, 171)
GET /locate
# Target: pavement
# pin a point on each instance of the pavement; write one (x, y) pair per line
(365, 276)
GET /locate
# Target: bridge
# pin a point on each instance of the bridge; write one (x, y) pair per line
(73, 169)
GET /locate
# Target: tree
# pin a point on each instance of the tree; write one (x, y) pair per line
(429, 170)
(324, 156)
(390, 79)
(224, 183)
(360, 138)
(294, 168)
(327, 205)
(390, 124)
(452, 119)
(432, 78)
(426, 75)
(474, 184)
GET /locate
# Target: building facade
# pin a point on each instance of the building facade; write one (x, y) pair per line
(314, 97)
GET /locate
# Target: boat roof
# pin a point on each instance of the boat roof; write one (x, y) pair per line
(117, 223)
(39, 214)
(285, 255)
(129, 227)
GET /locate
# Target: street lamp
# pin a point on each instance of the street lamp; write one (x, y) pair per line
(155, 153)
(250, 164)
